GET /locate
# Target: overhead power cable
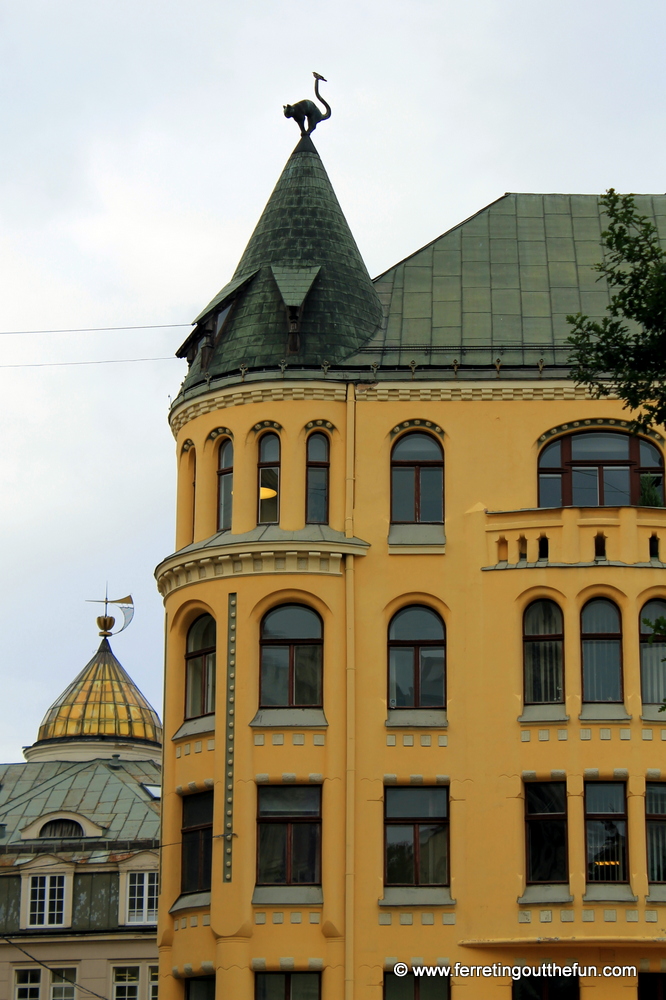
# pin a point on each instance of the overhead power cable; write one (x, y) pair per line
(49, 968)
(112, 361)
(93, 329)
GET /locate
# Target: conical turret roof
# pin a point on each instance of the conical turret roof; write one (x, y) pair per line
(301, 267)
(103, 702)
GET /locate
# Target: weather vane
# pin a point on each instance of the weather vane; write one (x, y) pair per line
(308, 109)
(106, 622)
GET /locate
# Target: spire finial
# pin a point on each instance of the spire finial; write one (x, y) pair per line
(308, 109)
(106, 621)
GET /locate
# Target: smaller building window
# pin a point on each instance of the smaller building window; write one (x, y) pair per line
(543, 653)
(153, 982)
(200, 668)
(417, 480)
(291, 657)
(197, 842)
(416, 836)
(545, 988)
(47, 901)
(61, 829)
(142, 891)
(225, 476)
(126, 982)
(411, 987)
(651, 986)
(601, 652)
(317, 475)
(289, 835)
(287, 986)
(546, 822)
(655, 815)
(63, 984)
(27, 984)
(200, 988)
(653, 653)
(606, 827)
(416, 659)
(269, 479)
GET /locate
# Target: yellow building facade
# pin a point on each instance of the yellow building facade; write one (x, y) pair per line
(411, 713)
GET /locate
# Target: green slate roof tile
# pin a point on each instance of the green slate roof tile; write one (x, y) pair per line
(562, 272)
(446, 263)
(503, 251)
(533, 278)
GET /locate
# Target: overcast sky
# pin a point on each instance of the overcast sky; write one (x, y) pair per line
(139, 142)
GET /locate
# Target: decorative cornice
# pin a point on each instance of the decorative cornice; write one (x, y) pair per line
(469, 391)
(575, 425)
(218, 431)
(421, 424)
(230, 734)
(252, 559)
(313, 425)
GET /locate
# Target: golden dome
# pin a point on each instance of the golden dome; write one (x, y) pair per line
(103, 702)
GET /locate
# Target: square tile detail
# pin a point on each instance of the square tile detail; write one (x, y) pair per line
(319, 739)
(632, 916)
(651, 916)
(260, 918)
(546, 916)
(448, 918)
(544, 735)
(426, 741)
(298, 739)
(390, 741)
(316, 917)
(586, 734)
(278, 918)
(278, 739)
(610, 916)
(647, 734)
(562, 734)
(427, 918)
(567, 916)
(408, 740)
(524, 917)
(625, 734)
(406, 918)
(259, 739)
(604, 734)
(588, 916)
(443, 741)
(525, 735)
(385, 918)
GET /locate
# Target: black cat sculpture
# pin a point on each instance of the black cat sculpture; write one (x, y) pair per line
(303, 110)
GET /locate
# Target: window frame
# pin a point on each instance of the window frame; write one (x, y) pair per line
(417, 646)
(30, 986)
(205, 847)
(568, 463)
(147, 876)
(49, 890)
(644, 640)
(416, 823)
(287, 982)
(224, 472)
(117, 984)
(269, 465)
(291, 643)
(443, 981)
(416, 465)
(544, 637)
(533, 818)
(61, 987)
(595, 817)
(652, 819)
(204, 653)
(312, 464)
(290, 821)
(588, 636)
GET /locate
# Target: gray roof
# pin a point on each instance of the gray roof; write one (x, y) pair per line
(109, 793)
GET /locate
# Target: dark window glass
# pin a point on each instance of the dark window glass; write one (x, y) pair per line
(600, 468)
(655, 811)
(225, 485)
(545, 988)
(200, 668)
(269, 479)
(416, 659)
(417, 480)
(317, 472)
(606, 828)
(61, 828)
(546, 821)
(651, 986)
(291, 657)
(416, 836)
(287, 986)
(602, 652)
(543, 649)
(653, 654)
(412, 987)
(197, 842)
(200, 988)
(289, 835)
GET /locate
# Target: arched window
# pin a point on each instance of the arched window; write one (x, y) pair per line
(291, 657)
(601, 469)
(543, 655)
(269, 479)
(653, 654)
(416, 659)
(61, 829)
(601, 637)
(225, 475)
(316, 487)
(200, 668)
(417, 480)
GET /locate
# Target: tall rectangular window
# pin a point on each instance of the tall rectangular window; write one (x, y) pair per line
(63, 984)
(546, 834)
(316, 474)
(153, 982)
(606, 831)
(126, 982)
(142, 898)
(200, 988)
(416, 836)
(287, 986)
(546, 988)
(27, 983)
(47, 901)
(197, 842)
(411, 987)
(289, 835)
(655, 816)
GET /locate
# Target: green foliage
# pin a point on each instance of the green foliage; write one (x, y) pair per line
(658, 627)
(650, 492)
(611, 356)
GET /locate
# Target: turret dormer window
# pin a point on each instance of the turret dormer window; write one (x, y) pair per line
(61, 829)
(269, 480)
(317, 473)
(226, 485)
(200, 668)
(601, 469)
